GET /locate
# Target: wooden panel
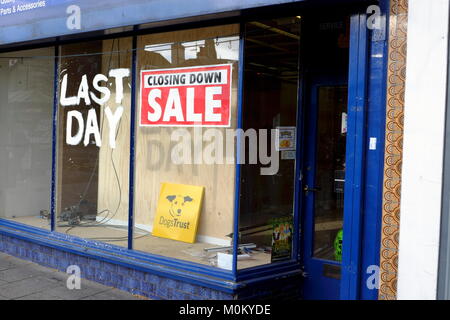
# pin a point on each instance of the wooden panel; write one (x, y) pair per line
(153, 144)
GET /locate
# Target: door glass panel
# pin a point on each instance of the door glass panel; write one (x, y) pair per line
(330, 172)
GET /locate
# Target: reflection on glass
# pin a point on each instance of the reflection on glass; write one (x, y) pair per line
(226, 48)
(270, 102)
(330, 172)
(26, 106)
(154, 145)
(164, 49)
(192, 48)
(93, 140)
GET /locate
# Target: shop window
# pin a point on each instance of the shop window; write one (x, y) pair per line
(185, 141)
(26, 106)
(93, 147)
(269, 105)
(174, 188)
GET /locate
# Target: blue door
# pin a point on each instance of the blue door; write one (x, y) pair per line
(331, 174)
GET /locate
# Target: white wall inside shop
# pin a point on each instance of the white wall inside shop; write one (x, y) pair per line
(26, 100)
(425, 104)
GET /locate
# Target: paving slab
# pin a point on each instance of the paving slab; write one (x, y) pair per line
(21, 288)
(112, 295)
(39, 296)
(17, 273)
(25, 280)
(75, 294)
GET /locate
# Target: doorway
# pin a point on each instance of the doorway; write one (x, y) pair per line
(332, 153)
(301, 75)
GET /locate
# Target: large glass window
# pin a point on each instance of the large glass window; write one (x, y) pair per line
(94, 140)
(269, 119)
(185, 141)
(187, 102)
(26, 106)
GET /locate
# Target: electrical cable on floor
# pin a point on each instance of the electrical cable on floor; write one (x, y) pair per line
(104, 220)
(83, 196)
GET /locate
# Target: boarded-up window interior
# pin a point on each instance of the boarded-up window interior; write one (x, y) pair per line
(210, 46)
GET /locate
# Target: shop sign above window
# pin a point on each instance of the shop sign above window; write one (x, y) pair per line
(25, 20)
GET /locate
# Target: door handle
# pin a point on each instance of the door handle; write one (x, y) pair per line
(311, 189)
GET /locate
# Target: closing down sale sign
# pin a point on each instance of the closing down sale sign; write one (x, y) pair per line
(186, 97)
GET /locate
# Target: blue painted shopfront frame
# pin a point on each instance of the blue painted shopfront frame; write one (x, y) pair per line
(373, 170)
(232, 281)
(354, 179)
(50, 21)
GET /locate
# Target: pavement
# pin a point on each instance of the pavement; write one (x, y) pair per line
(25, 280)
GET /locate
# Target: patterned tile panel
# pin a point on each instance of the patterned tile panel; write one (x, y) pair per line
(398, 24)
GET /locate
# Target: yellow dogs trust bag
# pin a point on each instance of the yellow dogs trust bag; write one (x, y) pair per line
(178, 212)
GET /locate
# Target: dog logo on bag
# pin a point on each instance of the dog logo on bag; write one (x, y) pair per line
(178, 204)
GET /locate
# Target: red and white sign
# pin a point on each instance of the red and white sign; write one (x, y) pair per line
(186, 97)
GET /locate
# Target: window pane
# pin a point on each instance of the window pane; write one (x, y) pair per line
(26, 107)
(270, 105)
(94, 139)
(179, 53)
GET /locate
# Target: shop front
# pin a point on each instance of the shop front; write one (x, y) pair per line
(206, 152)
